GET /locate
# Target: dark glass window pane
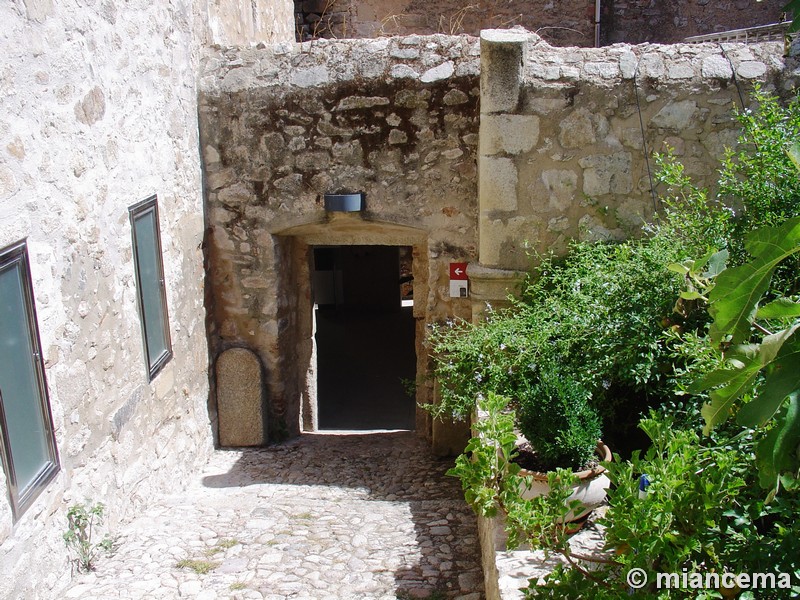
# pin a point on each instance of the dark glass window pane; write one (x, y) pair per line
(150, 287)
(27, 431)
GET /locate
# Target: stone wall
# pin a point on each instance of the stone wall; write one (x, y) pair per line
(98, 112)
(566, 134)
(393, 118)
(557, 22)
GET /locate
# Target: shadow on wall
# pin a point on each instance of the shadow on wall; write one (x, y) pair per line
(394, 468)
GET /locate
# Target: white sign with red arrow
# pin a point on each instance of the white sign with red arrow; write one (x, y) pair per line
(459, 284)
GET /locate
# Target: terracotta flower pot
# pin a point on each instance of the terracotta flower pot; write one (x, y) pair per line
(591, 490)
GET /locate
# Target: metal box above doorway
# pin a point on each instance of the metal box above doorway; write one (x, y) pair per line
(344, 202)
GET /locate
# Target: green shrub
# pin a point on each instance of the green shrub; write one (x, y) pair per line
(498, 355)
(758, 179)
(605, 306)
(603, 314)
(749, 365)
(758, 185)
(703, 512)
(557, 419)
(599, 313)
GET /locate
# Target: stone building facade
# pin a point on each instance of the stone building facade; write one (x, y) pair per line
(586, 23)
(99, 112)
(465, 149)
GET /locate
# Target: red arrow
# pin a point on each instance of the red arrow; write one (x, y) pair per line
(458, 271)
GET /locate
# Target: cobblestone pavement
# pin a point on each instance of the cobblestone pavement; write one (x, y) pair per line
(339, 516)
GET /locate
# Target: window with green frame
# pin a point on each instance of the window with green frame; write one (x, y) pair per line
(28, 448)
(150, 287)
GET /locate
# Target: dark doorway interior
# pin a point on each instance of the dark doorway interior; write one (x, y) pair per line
(365, 337)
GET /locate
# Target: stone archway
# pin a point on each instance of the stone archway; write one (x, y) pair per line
(342, 229)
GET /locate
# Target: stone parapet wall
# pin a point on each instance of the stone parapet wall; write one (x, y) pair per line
(98, 112)
(559, 148)
(567, 139)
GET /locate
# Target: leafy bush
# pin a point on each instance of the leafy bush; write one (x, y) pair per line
(702, 513)
(556, 418)
(749, 287)
(606, 306)
(603, 316)
(498, 355)
(758, 185)
(599, 314)
(758, 376)
(758, 179)
(491, 481)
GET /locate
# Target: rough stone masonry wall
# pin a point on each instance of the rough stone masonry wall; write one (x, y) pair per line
(561, 156)
(97, 112)
(562, 151)
(395, 118)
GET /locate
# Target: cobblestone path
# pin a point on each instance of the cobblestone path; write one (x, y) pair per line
(339, 516)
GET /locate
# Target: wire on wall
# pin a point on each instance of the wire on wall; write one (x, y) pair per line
(644, 140)
(735, 79)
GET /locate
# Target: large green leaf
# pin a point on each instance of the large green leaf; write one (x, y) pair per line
(776, 453)
(734, 299)
(782, 308)
(765, 448)
(794, 150)
(717, 263)
(782, 379)
(722, 400)
(777, 355)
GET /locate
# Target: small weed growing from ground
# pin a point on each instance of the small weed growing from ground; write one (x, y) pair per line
(82, 519)
(201, 567)
(238, 585)
(222, 545)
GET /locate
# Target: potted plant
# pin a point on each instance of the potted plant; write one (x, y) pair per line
(560, 429)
